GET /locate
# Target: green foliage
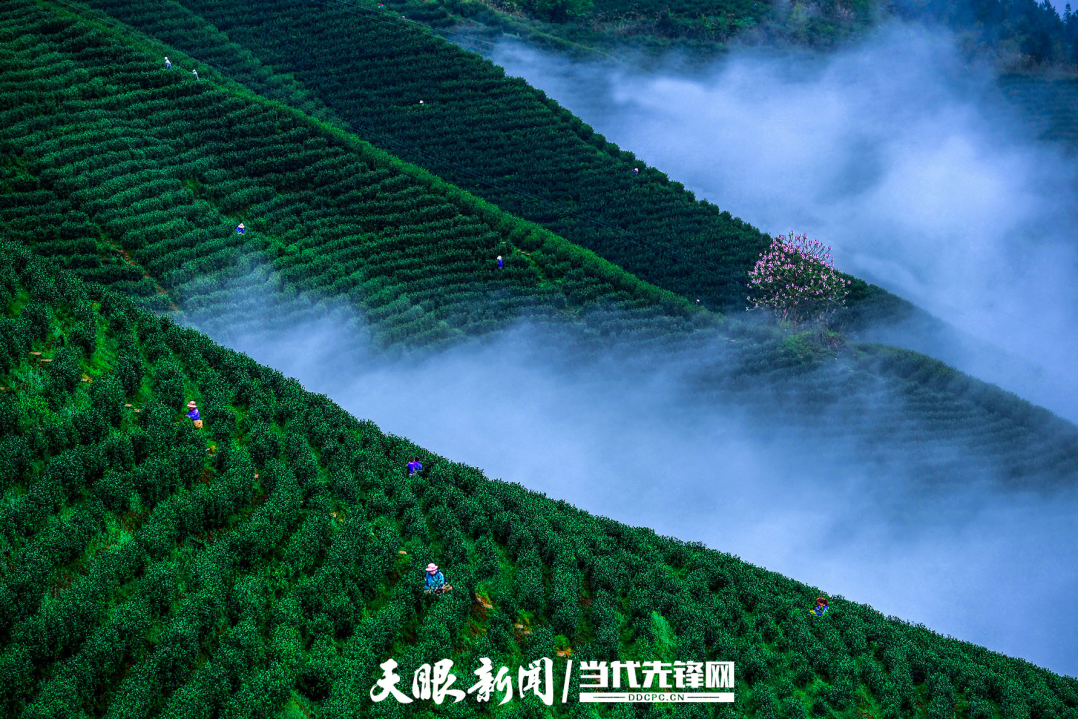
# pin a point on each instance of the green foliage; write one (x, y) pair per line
(330, 216)
(558, 10)
(223, 592)
(1035, 31)
(489, 134)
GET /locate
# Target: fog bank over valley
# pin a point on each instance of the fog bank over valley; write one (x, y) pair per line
(626, 435)
(898, 153)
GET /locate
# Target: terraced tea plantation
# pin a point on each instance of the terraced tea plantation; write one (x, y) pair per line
(266, 564)
(492, 135)
(137, 176)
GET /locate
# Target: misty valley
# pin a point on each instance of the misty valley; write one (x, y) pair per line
(448, 358)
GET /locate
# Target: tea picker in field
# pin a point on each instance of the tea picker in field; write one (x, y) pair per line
(821, 607)
(434, 583)
(168, 65)
(192, 412)
(414, 466)
(500, 263)
(195, 73)
(240, 229)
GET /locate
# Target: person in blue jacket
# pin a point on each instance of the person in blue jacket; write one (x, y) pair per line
(821, 607)
(414, 466)
(168, 65)
(434, 583)
(500, 263)
(192, 414)
(240, 229)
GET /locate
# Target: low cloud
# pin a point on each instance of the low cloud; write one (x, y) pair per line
(899, 153)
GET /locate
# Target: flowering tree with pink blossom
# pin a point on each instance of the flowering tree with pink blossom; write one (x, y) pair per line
(796, 278)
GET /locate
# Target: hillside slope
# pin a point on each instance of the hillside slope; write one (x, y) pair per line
(269, 562)
(493, 135)
(135, 176)
(1050, 105)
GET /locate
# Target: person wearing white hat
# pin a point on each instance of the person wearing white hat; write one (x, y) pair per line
(195, 73)
(192, 412)
(168, 65)
(240, 229)
(435, 581)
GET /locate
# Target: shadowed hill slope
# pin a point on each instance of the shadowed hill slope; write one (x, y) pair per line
(271, 560)
(136, 176)
(493, 135)
(1050, 104)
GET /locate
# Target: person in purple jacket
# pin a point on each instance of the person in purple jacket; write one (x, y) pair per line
(414, 466)
(192, 413)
